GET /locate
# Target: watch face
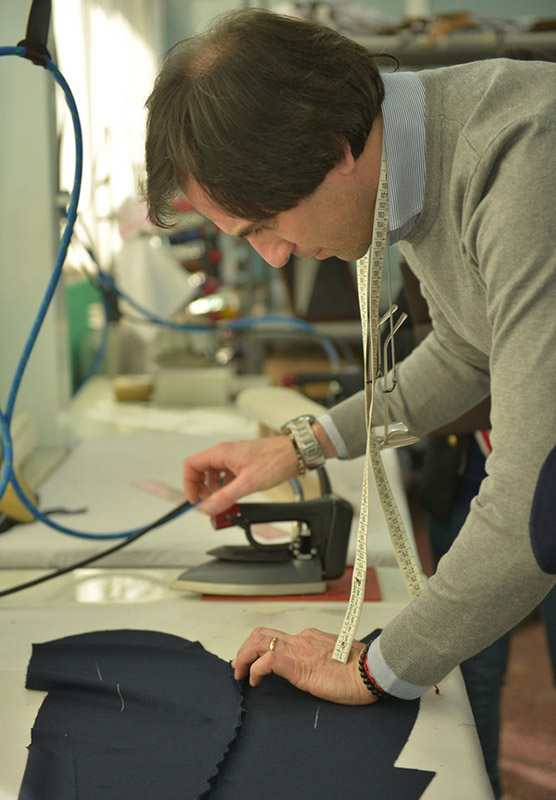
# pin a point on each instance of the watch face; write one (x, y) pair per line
(297, 422)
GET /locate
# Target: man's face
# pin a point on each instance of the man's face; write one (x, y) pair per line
(336, 220)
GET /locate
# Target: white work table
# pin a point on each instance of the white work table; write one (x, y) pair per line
(137, 594)
(443, 739)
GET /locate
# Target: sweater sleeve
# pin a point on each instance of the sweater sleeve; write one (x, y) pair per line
(491, 579)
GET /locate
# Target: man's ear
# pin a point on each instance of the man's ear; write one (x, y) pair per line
(347, 163)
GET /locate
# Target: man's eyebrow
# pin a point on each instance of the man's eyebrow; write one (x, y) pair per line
(243, 233)
(247, 231)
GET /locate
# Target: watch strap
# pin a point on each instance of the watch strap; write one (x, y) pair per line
(306, 445)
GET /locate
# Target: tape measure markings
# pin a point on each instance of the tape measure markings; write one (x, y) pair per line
(368, 306)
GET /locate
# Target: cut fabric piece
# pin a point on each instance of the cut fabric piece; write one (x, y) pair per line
(130, 715)
(293, 745)
(137, 715)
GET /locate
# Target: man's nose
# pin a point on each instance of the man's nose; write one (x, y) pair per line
(275, 250)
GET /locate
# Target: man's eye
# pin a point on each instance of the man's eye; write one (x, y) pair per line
(254, 232)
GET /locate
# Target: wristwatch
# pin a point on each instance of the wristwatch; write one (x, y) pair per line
(307, 448)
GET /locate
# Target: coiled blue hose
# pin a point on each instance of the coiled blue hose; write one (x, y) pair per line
(8, 474)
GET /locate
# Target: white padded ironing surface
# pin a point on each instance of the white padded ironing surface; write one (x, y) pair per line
(274, 405)
(100, 472)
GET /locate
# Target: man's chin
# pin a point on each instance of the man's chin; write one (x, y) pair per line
(354, 255)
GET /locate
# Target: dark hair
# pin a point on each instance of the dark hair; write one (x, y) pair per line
(257, 110)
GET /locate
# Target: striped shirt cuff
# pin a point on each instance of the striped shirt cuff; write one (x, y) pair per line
(387, 680)
(333, 435)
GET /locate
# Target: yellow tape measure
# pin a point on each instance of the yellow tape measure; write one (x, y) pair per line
(368, 306)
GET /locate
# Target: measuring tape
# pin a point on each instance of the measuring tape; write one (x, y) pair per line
(368, 306)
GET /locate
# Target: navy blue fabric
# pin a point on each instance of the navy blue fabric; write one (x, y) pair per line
(293, 745)
(542, 522)
(140, 715)
(129, 715)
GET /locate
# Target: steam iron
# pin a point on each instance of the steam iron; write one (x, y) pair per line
(316, 553)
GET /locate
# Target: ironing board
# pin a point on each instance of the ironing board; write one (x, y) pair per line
(122, 449)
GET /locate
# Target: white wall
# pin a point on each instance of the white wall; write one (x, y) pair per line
(28, 234)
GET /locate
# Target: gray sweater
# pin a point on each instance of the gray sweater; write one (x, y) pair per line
(483, 250)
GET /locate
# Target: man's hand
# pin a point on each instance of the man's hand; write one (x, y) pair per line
(305, 660)
(225, 473)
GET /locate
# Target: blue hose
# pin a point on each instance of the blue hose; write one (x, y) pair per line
(8, 474)
(107, 280)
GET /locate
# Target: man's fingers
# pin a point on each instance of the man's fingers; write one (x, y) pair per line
(216, 502)
(244, 466)
(225, 496)
(265, 664)
(196, 468)
(213, 480)
(262, 665)
(259, 643)
(193, 483)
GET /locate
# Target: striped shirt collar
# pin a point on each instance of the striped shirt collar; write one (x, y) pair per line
(403, 115)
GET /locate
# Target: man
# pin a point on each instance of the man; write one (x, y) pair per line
(274, 128)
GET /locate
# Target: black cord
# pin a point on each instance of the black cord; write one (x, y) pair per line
(36, 35)
(324, 481)
(84, 562)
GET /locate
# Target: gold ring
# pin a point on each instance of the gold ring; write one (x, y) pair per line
(273, 643)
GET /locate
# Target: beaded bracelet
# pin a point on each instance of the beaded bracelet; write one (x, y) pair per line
(368, 679)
